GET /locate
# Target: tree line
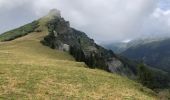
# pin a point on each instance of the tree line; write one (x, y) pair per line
(93, 60)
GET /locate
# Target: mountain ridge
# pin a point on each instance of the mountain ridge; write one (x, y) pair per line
(63, 37)
(30, 70)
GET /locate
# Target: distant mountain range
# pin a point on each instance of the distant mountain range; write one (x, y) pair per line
(154, 53)
(119, 47)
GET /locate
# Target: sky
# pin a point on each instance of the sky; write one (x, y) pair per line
(105, 21)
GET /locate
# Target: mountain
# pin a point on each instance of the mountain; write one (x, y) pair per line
(155, 54)
(30, 70)
(63, 37)
(119, 47)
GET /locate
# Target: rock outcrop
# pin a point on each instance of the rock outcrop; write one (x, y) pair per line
(63, 37)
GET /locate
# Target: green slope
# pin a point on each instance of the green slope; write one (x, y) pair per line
(19, 32)
(31, 71)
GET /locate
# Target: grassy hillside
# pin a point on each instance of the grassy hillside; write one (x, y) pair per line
(19, 32)
(31, 71)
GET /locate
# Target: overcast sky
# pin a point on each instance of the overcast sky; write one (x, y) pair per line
(103, 20)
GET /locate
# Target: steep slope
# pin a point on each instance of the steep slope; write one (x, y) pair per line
(63, 37)
(29, 70)
(155, 54)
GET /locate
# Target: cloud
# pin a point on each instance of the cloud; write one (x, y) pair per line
(103, 20)
(157, 24)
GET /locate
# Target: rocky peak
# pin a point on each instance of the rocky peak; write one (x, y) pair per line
(84, 49)
(54, 13)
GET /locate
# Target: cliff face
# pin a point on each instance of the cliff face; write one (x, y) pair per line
(63, 37)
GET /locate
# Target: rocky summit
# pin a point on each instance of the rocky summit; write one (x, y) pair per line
(63, 37)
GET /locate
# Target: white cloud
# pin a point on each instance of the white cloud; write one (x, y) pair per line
(104, 20)
(157, 24)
